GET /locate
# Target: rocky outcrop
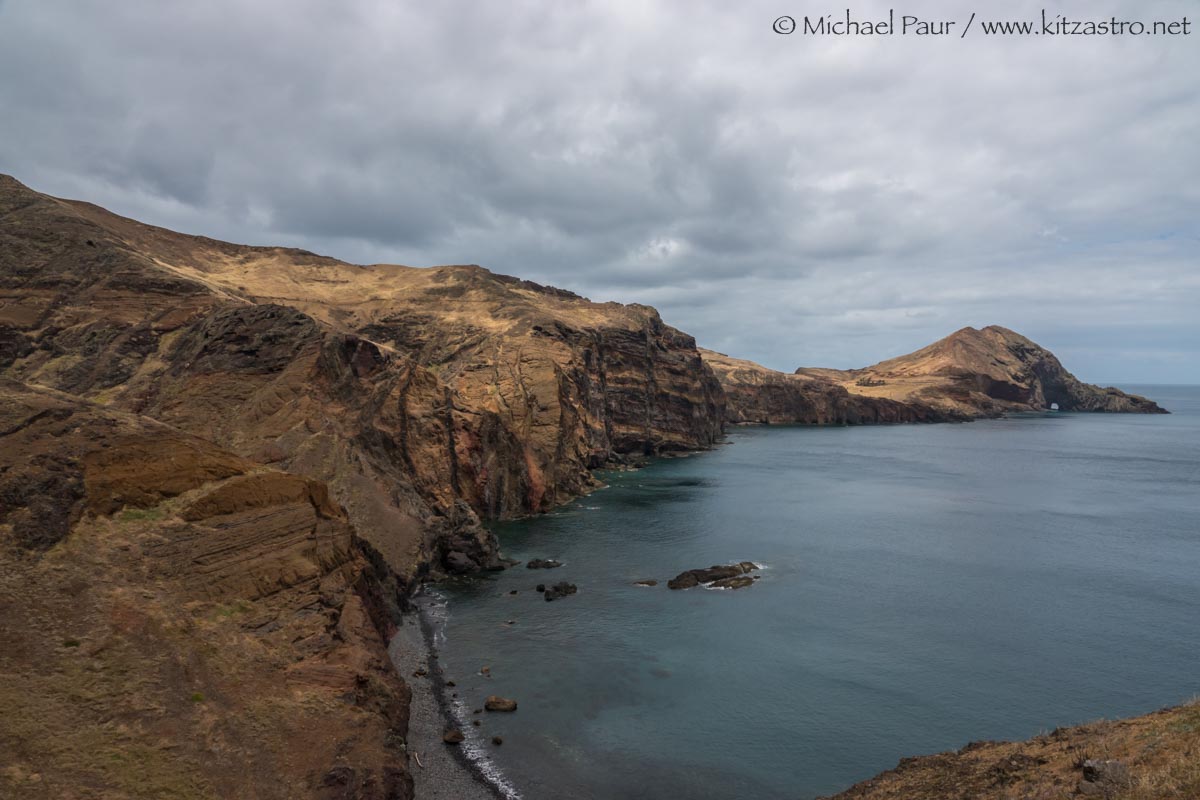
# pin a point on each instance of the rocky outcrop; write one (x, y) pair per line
(757, 395)
(1151, 756)
(980, 373)
(183, 622)
(732, 574)
(560, 589)
(968, 375)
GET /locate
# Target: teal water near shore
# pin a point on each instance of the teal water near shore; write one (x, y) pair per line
(924, 586)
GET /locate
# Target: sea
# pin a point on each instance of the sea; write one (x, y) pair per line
(921, 587)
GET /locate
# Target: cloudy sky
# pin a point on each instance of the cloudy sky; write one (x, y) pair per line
(797, 200)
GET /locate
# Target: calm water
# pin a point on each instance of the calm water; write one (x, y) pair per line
(925, 586)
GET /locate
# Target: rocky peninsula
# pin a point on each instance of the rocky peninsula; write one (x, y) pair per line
(225, 469)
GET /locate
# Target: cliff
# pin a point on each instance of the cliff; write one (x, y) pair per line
(981, 373)
(176, 621)
(968, 375)
(425, 398)
(755, 394)
(223, 468)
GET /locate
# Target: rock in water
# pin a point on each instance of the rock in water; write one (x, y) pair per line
(695, 577)
(561, 589)
(737, 582)
(453, 736)
(649, 582)
(543, 563)
(684, 580)
(497, 703)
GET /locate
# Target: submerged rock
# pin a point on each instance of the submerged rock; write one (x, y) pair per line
(497, 703)
(496, 740)
(561, 589)
(543, 563)
(717, 572)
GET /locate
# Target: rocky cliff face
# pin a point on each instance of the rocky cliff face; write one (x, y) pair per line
(755, 394)
(425, 398)
(185, 622)
(979, 373)
(969, 374)
(223, 467)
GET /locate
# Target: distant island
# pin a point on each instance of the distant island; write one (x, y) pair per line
(224, 469)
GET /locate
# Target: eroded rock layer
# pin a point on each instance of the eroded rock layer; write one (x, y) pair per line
(755, 394)
(425, 398)
(176, 621)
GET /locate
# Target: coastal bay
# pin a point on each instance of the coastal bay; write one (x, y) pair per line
(924, 586)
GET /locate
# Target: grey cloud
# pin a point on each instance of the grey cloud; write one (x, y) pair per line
(785, 199)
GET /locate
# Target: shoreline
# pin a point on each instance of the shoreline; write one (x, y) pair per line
(451, 772)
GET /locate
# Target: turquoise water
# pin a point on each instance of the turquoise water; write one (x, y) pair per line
(925, 586)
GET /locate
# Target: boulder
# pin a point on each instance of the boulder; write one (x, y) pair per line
(453, 736)
(497, 703)
(561, 589)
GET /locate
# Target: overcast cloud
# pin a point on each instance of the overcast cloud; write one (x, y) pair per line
(791, 199)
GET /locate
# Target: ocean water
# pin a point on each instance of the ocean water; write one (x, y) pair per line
(924, 586)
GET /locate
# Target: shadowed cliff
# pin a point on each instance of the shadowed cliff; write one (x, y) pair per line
(426, 398)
